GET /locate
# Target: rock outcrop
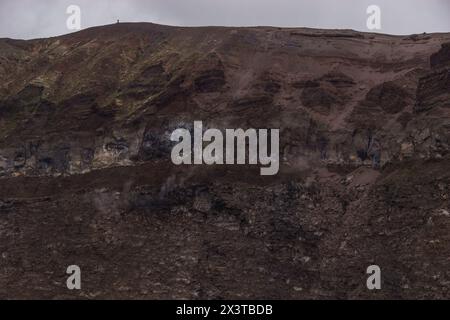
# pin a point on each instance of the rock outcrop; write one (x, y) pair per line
(86, 176)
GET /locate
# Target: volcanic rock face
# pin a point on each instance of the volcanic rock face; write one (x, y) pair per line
(86, 176)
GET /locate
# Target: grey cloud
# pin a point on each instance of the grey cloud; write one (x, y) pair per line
(42, 18)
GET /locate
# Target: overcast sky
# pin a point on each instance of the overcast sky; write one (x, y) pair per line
(26, 19)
